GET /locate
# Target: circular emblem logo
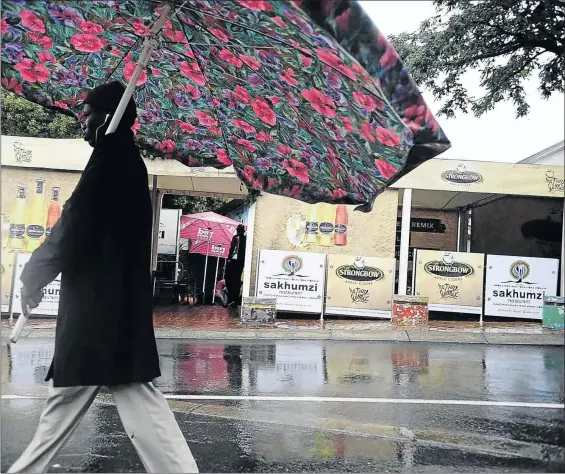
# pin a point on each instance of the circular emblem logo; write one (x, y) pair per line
(292, 264)
(519, 270)
(461, 175)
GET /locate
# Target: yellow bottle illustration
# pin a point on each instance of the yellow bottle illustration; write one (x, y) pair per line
(35, 228)
(312, 223)
(327, 224)
(17, 230)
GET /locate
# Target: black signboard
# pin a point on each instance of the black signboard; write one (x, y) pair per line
(423, 224)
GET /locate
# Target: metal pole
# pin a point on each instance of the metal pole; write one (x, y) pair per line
(459, 223)
(206, 269)
(249, 250)
(149, 45)
(177, 246)
(215, 281)
(404, 241)
(469, 229)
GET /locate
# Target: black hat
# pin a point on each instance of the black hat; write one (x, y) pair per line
(106, 98)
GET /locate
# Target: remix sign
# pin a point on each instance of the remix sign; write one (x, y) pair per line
(515, 286)
(295, 280)
(360, 286)
(453, 281)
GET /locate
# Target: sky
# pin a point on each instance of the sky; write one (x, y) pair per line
(497, 135)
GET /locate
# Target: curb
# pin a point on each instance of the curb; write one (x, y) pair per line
(398, 336)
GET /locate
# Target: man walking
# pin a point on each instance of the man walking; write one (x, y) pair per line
(104, 333)
(235, 264)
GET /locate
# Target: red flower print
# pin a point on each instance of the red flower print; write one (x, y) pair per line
(175, 36)
(387, 137)
(13, 85)
(263, 111)
(87, 43)
(167, 146)
(389, 58)
(61, 105)
(335, 61)
(347, 124)
(368, 102)
(187, 127)
(242, 95)
(416, 117)
(284, 150)
(250, 61)
(32, 71)
(139, 28)
(288, 77)
(297, 169)
(192, 71)
(190, 90)
(31, 22)
(385, 168)
(188, 53)
(343, 20)
(294, 192)
(246, 144)
(250, 177)
(230, 58)
(219, 34)
(338, 194)
(136, 126)
(223, 157)
(156, 72)
(4, 27)
(279, 21)
(271, 182)
(44, 41)
(204, 119)
(244, 126)
(274, 100)
(367, 132)
(91, 28)
(306, 60)
(319, 102)
(115, 52)
(257, 5)
(214, 130)
(129, 69)
(264, 137)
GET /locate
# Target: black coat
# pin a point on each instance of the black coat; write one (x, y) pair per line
(102, 246)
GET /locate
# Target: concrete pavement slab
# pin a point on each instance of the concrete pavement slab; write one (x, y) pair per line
(454, 337)
(526, 339)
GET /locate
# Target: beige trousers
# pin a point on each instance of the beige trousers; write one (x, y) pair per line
(145, 414)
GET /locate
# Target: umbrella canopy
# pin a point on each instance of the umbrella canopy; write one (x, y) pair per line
(257, 84)
(210, 233)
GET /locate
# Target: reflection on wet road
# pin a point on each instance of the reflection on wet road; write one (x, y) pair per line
(323, 406)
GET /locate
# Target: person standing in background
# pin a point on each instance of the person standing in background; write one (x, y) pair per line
(234, 265)
(104, 334)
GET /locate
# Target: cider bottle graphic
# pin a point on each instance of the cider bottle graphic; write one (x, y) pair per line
(341, 225)
(17, 230)
(54, 211)
(35, 230)
(312, 224)
(327, 222)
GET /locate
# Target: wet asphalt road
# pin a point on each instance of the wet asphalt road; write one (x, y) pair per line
(428, 432)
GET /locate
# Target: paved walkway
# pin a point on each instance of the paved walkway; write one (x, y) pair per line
(216, 323)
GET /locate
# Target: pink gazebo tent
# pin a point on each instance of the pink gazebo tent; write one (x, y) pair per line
(210, 234)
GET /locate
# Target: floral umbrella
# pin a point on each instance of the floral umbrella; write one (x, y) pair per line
(257, 84)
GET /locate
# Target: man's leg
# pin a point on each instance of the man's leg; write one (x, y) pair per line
(63, 411)
(152, 428)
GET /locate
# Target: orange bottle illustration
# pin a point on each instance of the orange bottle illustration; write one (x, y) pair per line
(340, 226)
(54, 211)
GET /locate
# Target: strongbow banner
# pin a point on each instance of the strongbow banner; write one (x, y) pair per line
(453, 281)
(295, 279)
(515, 286)
(360, 286)
(486, 177)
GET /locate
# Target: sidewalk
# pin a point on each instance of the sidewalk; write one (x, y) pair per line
(216, 323)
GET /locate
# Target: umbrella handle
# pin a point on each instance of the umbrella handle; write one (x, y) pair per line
(148, 46)
(20, 323)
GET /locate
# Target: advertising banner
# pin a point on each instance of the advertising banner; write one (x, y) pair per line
(360, 286)
(453, 281)
(515, 286)
(31, 203)
(295, 279)
(169, 221)
(49, 306)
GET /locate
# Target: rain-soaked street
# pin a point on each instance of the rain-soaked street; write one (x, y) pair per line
(321, 406)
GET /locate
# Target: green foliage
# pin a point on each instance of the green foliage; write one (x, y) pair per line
(192, 204)
(505, 40)
(21, 117)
